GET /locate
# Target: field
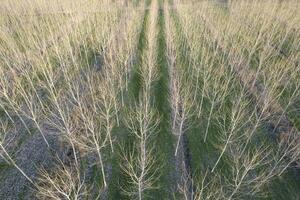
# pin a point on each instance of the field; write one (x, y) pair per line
(150, 99)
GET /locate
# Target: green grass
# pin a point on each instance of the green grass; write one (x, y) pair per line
(136, 81)
(164, 138)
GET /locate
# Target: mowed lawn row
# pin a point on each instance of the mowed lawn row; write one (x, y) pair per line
(154, 99)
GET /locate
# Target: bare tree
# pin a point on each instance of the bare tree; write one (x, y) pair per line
(62, 182)
(140, 165)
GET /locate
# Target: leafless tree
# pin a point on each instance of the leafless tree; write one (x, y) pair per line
(140, 164)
